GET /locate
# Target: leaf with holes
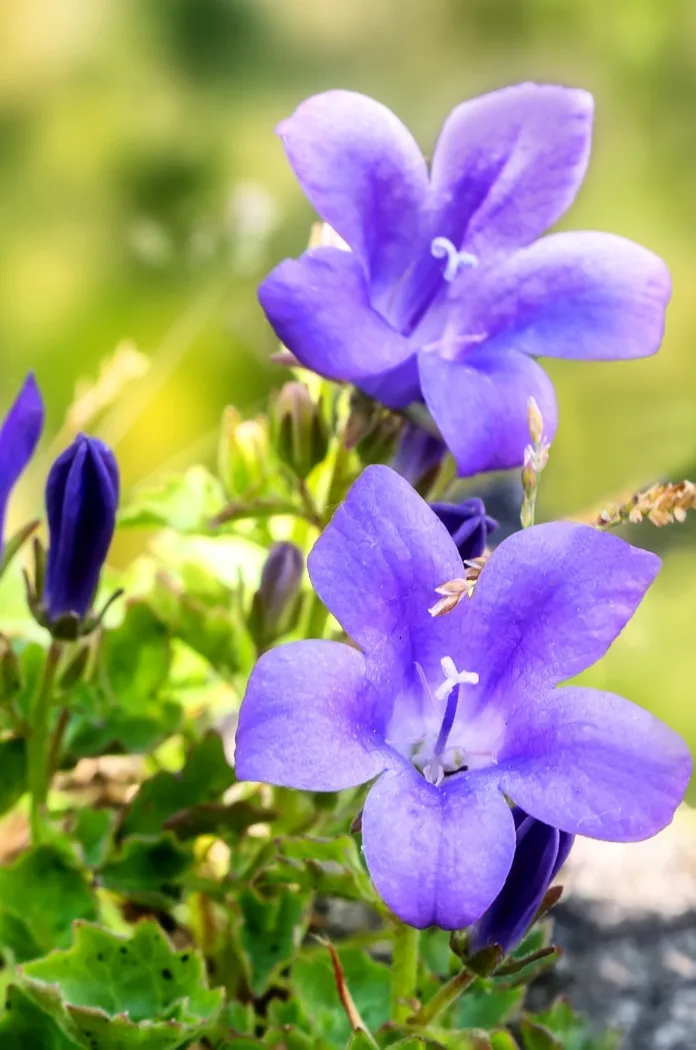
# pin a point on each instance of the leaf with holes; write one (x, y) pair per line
(108, 992)
(41, 894)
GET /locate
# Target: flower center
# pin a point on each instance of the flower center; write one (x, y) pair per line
(425, 283)
(437, 760)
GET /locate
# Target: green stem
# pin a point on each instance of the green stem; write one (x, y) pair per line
(38, 757)
(447, 995)
(404, 971)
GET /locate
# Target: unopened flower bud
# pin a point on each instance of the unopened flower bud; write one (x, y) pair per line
(418, 456)
(275, 602)
(540, 852)
(81, 502)
(243, 454)
(535, 422)
(300, 435)
(19, 436)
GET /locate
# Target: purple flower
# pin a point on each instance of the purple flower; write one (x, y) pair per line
(447, 295)
(451, 716)
(540, 852)
(468, 525)
(418, 455)
(81, 502)
(19, 436)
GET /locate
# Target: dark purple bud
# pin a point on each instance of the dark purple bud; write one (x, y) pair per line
(468, 525)
(81, 501)
(19, 436)
(274, 601)
(418, 455)
(539, 854)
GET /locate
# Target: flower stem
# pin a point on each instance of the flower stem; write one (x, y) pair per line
(38, 757)
(444, 998)
(404, 971)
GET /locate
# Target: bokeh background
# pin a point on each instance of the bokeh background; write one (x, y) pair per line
(143, 194)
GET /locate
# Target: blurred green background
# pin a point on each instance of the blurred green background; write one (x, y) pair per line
(143, 194)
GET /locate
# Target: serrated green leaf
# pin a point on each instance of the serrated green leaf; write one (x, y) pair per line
(205, 778)
(23, 1026)
(93, 831)
(360, 1041)
(184, 502)
(270, 933)
(108, 992)
(13, 772)
(126, 708)
(41, 895)
(570, 1030)
(315, 986)
(148, 869)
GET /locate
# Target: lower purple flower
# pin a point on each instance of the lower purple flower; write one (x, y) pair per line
(540, 852)
(453, 716)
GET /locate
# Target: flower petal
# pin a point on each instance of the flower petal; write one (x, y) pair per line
(590, 296)
(437, 855)
(549, 603)
(19, 436)
(592, 763)
(480, 405)
(319, 306)
(508, 164)
(308, 720)
(364, 174)
(378, 563)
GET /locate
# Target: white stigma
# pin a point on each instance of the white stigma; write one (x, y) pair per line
(453, 678)
(442, 248)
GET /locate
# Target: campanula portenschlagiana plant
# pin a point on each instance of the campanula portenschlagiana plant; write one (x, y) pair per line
(19, 436)
(454, 715)
(447, 294)
(82, 494)
(418, 455)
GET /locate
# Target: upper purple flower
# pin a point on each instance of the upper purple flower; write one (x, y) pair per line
(81, 502)
(468, 525)
(447, 295)
(457, 714)
(19, 436)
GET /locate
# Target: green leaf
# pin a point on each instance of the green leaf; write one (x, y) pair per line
(127, 708)
(227, 822)
(503, 1040)
(315, 986)
(536, 1037)
(93, 830)
(270, 933)
(332, 867)
(486, 1005)
(41, 894)
(23, 1026)
(183, 502)
(108, 992)
(148, 869)
(13, 772)
(205, 778)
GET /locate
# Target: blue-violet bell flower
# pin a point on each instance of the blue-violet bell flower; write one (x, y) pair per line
(81, 501)
(19, 436)
(540, 852)
(452, 716)
(446, 293)
(468, 524)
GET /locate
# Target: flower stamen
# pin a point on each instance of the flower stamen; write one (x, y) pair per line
(442, 248)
